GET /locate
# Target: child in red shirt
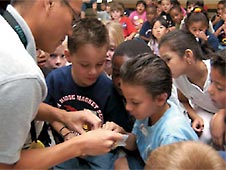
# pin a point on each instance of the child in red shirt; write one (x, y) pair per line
(117, 15)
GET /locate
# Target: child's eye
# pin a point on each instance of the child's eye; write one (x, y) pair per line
(112, 49)
(217, 86)
(220, 89)
(135, 103)
(167, 59)
(53, 55)
(84, 65)
(100, 64)
(62, 56)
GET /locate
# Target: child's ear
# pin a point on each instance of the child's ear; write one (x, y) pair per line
(161, 99)
(189, 57)
(67, 55)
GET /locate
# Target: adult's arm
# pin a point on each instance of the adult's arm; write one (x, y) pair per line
(94, 142)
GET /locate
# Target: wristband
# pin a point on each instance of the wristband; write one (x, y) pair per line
(62, 129)
(68, 133)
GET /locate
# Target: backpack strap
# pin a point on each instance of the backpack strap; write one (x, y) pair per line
(14, 24)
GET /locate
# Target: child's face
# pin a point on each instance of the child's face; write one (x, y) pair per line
(151, 13)
(103, 6)
(57, 59)
(166, 5)
(159, 30)
(87, 64)
(176, 63)
(176, 16)
(108, 8)
(139, 102)
(149, 2)
(110, 53)
(42, 58)
(140, 8)
(217, 89)
(220, 8)
(116, 15)
(159, 9)
(197, 28)
(190, 7)
(223, 16)
(117, 62)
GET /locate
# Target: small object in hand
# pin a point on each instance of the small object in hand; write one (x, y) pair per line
(37, 145)
(85, 127)
(121, 142)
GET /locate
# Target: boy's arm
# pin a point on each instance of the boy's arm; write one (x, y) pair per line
(144, 38)
(131, 142)
(73, 120)
(131, 36)
(217, 128)
(131, 29)
(216, 19)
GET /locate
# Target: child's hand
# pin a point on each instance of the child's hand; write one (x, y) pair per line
(198, 124)
(217, 18)
(202, 35)
(42, 57)
(224, 26)
(113, 127)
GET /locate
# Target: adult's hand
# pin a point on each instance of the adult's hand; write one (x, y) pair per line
(99, 141)
(77, 119)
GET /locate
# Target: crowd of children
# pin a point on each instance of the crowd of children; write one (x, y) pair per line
(157, 75)
(167, 90)
(186, 39)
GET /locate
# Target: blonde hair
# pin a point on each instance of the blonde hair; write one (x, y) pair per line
(115, 32)
(185, 155)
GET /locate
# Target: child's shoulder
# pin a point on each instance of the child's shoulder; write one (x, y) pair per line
(134, 13)
(60, 72)
(104, 80)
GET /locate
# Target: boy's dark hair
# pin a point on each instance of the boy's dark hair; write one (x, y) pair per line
(88, 31)
(131, 48)
(153, 6)
(4, 3)
(181, 40)
(196, 3)
(149, 71)
(175, 2)
(196, 15)
(141, 2)
(176, 7)
(218, 61)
